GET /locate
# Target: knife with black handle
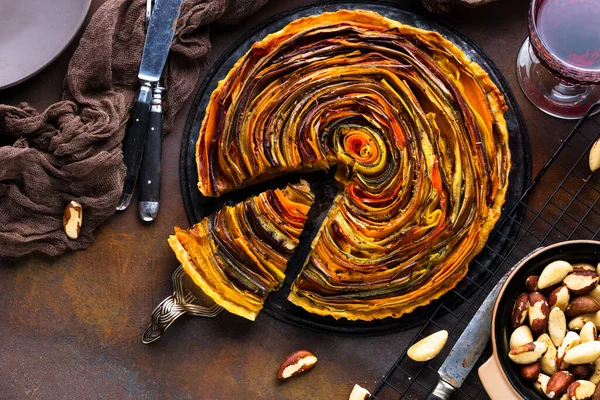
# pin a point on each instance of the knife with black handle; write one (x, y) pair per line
(156, 49)
(149, 183)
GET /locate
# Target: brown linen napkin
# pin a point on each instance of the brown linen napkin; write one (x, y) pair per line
(72, 151)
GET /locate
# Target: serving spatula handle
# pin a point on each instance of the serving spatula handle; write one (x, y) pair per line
(133, 143)
(149, 182)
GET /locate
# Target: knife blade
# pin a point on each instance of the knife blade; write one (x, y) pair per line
(467, 349)
(158, 39)
(154, 56)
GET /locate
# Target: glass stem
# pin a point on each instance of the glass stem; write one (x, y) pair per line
(564, 91)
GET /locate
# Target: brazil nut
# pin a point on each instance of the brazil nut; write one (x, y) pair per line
(558, 384)
(557, 326)
(582, 305)
(537, 312)
(581, 282)
(528, 353)
(520, 336)
(559, 297)
(554, 273)
(581, 390)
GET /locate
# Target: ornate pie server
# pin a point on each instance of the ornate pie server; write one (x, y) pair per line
(186, 299)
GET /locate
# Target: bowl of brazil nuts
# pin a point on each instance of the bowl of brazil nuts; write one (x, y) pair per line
(545, 327)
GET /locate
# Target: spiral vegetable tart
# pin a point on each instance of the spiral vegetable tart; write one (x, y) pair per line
(417, 135)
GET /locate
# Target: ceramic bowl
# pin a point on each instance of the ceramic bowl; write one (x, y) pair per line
(499, 375)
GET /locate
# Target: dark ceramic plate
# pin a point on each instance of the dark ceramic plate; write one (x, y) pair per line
(198, 206)
(581, 251)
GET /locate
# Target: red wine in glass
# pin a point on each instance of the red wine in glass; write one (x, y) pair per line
(559, 65)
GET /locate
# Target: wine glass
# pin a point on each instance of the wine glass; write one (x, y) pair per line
(558, 66)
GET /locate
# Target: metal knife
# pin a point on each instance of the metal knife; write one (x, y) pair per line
(149, 194)
(156, 49)
(467, 349)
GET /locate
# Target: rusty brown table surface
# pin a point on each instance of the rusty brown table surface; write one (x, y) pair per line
(71, 326)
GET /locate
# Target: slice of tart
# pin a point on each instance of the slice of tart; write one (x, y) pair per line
(239, 254)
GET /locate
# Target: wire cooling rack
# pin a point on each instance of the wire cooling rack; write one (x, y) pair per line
(546, 213)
